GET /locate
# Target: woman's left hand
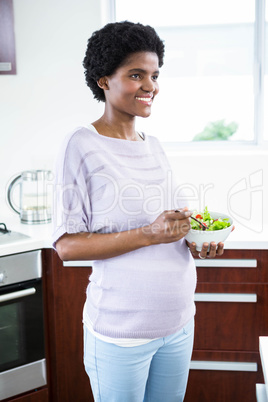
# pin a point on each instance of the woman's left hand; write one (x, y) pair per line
(214, 250)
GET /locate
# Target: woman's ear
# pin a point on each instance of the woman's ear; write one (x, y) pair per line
(103, 83)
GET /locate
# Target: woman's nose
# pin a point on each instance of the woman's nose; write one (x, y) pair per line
(148, 86)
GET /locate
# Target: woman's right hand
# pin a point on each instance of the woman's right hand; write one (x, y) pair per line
(170, 226)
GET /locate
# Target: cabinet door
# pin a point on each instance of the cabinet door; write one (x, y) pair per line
(7, 38)
(235, 266)
(223, 377)
(66, 294)
(36, 396)
(230, 316)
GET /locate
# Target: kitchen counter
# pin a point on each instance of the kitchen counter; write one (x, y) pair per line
(262, 389)
(264, 358)
(40, 237)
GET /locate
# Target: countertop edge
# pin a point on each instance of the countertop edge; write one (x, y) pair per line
(40, 236)
(34, 244)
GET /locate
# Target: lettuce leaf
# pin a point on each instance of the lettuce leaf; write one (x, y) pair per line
(206, 218)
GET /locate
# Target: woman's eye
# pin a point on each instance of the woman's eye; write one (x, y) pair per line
(155, 77)
(135, 75)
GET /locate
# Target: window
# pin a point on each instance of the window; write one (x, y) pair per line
(213, 84)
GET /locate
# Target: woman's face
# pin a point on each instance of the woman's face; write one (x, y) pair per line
(131, 89)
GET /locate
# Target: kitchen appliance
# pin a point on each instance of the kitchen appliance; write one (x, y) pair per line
(22, 351)
(35, 196)
(7, 236)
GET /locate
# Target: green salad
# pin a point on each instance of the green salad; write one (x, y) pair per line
(208, 221)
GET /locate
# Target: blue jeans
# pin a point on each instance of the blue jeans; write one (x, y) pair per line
(154, 372)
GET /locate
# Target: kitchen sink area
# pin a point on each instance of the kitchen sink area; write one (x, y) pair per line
(9, 236)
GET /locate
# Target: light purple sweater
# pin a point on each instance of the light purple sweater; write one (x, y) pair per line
(109, 185)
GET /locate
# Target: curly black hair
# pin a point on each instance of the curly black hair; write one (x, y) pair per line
(108, 48)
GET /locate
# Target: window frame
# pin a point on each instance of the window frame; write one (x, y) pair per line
(108, 14)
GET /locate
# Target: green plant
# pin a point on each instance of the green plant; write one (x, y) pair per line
(217, 131)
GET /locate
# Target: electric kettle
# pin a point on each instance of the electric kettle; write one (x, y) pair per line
(34, 198)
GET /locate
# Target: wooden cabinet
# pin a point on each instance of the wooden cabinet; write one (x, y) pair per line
(65, 289)
(223, 384)
(232, 311)
(231, 314)
(40, 395)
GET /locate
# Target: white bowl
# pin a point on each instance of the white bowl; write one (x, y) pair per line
(206, 236)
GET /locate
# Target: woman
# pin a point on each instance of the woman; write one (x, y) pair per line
(119, 207)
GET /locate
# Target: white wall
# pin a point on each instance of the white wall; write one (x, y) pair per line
(48, 97)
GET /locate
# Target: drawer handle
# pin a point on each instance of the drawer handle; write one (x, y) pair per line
(223, 366)
(226, 297)
(17, 295)
(85, 263)
(227, 263)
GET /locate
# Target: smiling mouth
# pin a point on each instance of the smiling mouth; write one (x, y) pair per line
(147, 100)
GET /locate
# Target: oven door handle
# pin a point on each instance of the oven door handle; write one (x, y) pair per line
(17, 295)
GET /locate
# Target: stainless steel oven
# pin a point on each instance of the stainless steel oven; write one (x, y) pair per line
(22, 351)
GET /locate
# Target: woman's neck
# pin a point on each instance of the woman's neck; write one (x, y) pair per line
(122, 130)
